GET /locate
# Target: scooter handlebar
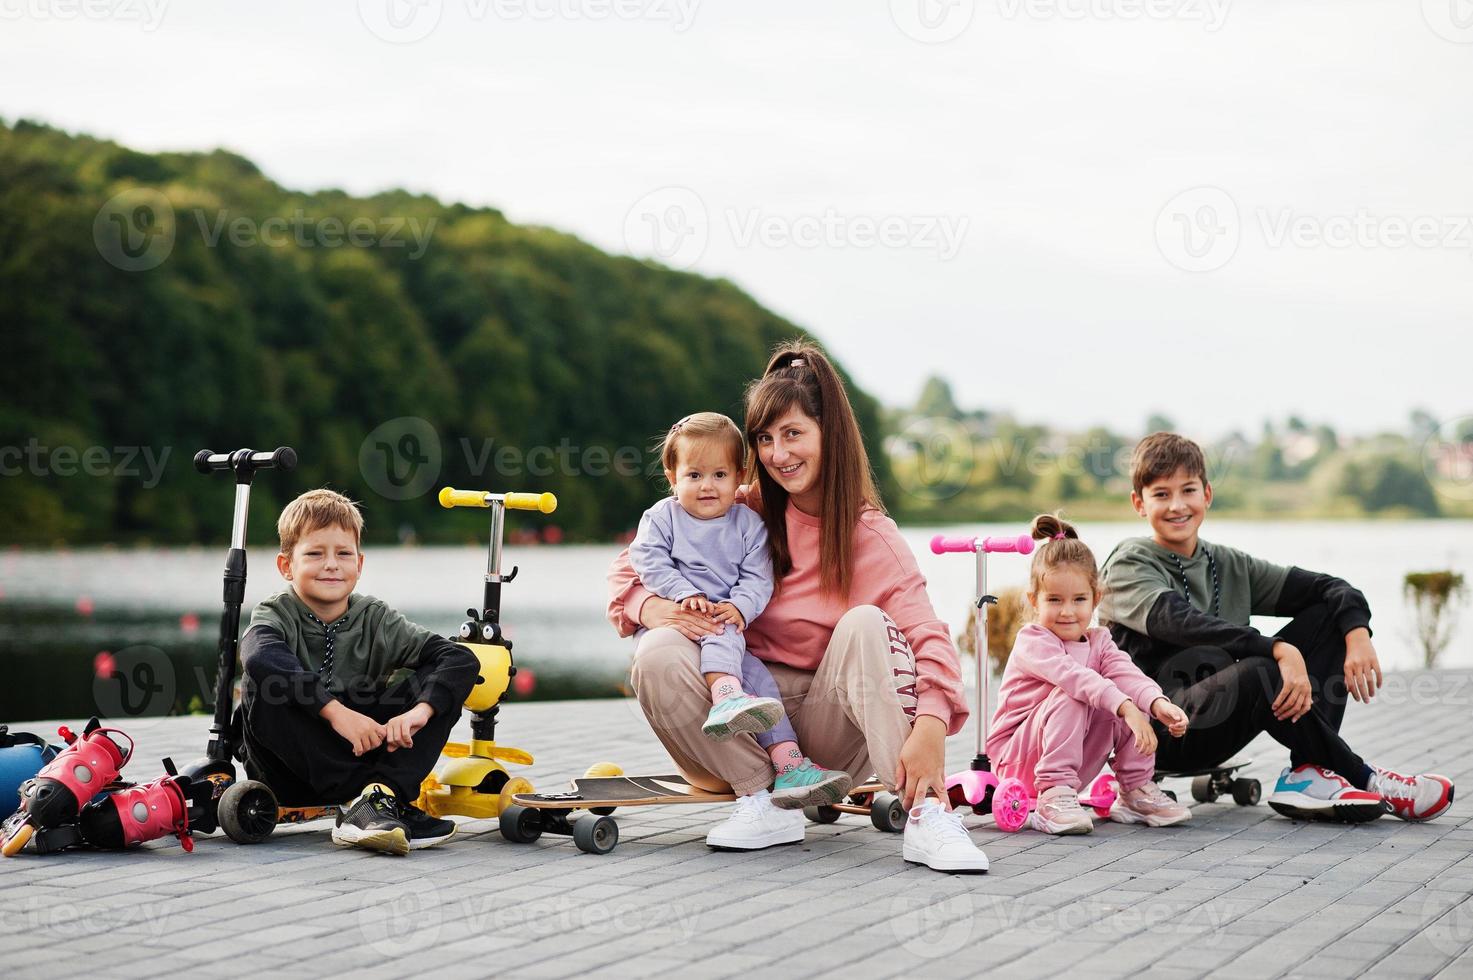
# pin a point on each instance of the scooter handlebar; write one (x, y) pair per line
(544, 502)
(246, 460)
(1022, 545)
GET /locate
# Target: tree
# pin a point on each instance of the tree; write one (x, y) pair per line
(496, 337)
(1435, 598)
(1386, 482)
(936, 400)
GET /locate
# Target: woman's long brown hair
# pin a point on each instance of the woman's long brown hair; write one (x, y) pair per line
(800, 376)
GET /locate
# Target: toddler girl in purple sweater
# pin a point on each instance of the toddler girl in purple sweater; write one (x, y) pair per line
(702, 549)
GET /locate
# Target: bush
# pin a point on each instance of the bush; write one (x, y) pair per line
(1435, 597)
(1003, 622)
(1383, 483)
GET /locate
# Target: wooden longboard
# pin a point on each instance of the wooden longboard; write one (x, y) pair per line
(602, 791)
(607, 791)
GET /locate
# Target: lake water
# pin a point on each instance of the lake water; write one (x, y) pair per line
(155, 612)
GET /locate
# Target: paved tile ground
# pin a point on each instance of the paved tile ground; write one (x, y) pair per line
(1238, 892)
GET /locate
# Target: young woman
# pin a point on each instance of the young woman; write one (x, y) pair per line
(866, 672)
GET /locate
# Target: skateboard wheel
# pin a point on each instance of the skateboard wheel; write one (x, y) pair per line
(821, 814)
(1010, 805)
(247, 811)
(595, 834)
(1102, 794)
(521, 824)
(1247, 791)
(887, 813)
(1203, 790)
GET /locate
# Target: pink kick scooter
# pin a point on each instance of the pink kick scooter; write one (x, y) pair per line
(1009, 800)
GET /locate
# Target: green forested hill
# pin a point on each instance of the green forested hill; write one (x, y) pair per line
(122, 344)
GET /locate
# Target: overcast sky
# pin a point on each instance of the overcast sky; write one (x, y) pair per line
(1080, 211)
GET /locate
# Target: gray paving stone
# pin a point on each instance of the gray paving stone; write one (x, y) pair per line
(1236, 892)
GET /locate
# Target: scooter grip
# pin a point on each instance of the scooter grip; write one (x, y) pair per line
(1022, 544)
(545, 502)
(450, 497)
(280, 458)
(941, 544)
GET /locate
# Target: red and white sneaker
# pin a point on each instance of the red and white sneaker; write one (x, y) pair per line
(1414, 798)
(1315, 793)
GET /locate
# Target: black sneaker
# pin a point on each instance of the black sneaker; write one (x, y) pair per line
(372, 821)
(424, 830)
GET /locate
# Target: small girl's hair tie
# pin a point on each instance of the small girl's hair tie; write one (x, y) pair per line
(1060, 536)
(796, 362)
(677, 425)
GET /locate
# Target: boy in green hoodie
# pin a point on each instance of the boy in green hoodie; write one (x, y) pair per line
(1181, 606)
(322, 720)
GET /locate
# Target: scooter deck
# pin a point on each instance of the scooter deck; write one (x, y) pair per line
(303, 814)
(1227, 768)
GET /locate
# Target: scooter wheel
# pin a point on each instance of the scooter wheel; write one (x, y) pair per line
(1246, 792)
(1203, 790)
(17, 840)
(821, 814)
(1011, 805)
(603, 770)
(1103, 792)
(521, 824)
(247, 811)
(595, 835)
(887, 813)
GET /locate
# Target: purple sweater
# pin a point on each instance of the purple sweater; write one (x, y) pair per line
(1093, 670)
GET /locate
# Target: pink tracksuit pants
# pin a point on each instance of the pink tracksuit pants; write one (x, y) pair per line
(1065, 742)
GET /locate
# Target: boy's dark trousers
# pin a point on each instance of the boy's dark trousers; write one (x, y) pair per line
(1229, 702)
(297, 753)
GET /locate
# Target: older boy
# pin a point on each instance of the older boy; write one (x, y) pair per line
(322, 721)
(1181, 608)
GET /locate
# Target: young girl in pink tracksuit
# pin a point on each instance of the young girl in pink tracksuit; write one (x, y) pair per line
(1070, 697)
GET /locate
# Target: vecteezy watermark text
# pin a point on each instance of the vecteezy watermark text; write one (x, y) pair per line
(147, 13)
(137, 229)
(1212, 13)
(402, 458)
(1200, 229)
(673, 226)
(938, 233)
(38, 459)
(408, 21)
(306, 232)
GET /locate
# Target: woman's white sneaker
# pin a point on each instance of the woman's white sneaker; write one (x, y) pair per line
(938, 839)
(756, 824)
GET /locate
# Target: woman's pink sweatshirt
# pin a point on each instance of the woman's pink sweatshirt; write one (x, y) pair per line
(797, 624)
(1093, 670)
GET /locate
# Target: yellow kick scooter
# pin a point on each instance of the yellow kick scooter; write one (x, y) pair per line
(473, 782)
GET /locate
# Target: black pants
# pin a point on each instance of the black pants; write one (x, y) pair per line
(1229, 702)
(297, 753)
